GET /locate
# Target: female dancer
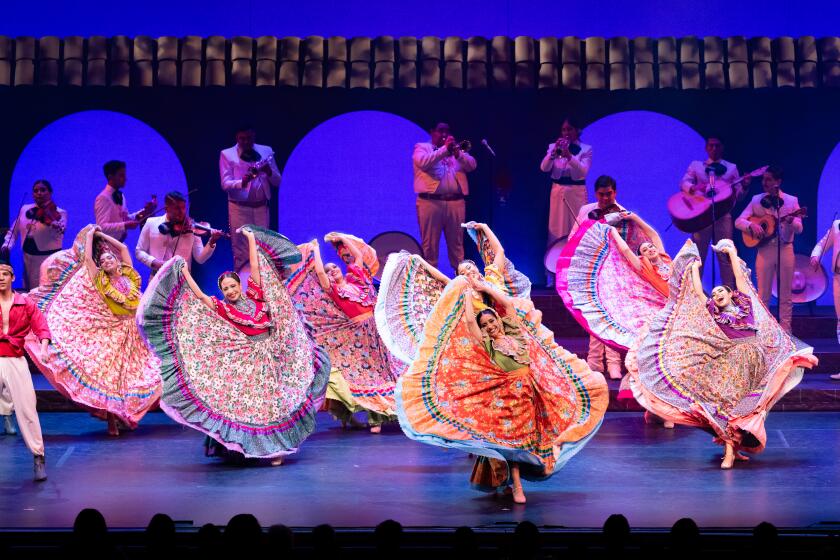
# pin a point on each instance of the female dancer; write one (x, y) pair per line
(491, 385)
(243, 370)
(609, 288)
(89, 297)
(340, 309)
(410, 288)
(719, 363)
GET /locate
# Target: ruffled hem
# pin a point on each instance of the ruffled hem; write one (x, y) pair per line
(270, 440)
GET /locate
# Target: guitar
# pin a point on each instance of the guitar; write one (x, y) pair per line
(692, 212)
(768, 224)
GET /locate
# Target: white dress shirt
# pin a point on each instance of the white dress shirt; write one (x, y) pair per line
(435, 171)
(109, 216)
(232, 168)
(696, 178)
(831, 239)
(46, 237)
(583, 215)
(576, 167)
(155, 245)
(789, 204)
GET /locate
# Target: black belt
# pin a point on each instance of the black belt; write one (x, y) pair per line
(445, 197)
(31, 248)
(568, 181)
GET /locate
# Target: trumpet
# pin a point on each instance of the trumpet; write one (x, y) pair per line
(560, 146)
(463, 145)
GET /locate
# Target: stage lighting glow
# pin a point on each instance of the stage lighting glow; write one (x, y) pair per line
(353, 174)
(70, 153)
(827, 197)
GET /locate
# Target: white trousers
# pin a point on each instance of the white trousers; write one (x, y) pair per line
(238, 216)
(17, 381)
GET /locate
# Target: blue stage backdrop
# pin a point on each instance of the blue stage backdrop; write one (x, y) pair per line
(70, 153)
(537, 18)
(352, 174)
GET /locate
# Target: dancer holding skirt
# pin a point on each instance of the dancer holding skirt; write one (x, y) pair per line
(719, 363)
(89, 295)
(243, 370)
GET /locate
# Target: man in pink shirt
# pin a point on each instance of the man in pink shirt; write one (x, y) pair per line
(110, 208)
(19, 315)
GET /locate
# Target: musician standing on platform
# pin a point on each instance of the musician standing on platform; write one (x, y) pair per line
(165, 236)
(772, 203)
(605, 203)
(40, 227)
(248, 172)
(831, 240)
(440, 182)
(568, 161)
(696, 181)
(110, 206)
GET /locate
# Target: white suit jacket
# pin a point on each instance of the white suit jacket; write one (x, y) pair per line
(577, 167)
(431, 166)
(754, 208)
(232, 169)
(155, 245)
(831, 239)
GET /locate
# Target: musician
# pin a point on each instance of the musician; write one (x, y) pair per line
(774, 203)
(40, 227)
(440, 182)
(173, 234)
(605, 203)
(567, 160)
(831, 240)
(696, 181)
(248, 172)
(110, 207)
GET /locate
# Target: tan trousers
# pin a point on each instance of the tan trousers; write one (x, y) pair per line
(703, 238)
(15, 377)
(238, 216)
(597, 352)
(765, 269)
(560, 218)
(32, 270)
(436, 216)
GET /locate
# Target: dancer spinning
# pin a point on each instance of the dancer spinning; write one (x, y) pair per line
(609, 288)
(242, 370)
(719, 362)
(489, 384)
(89, 295)
(410, 288)
(340, 309)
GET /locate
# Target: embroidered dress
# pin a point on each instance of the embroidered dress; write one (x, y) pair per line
(407, 294)
(721, 371)
(98, 357)
(602, 290)
(524, 400)
(343, 323)
(254, 391)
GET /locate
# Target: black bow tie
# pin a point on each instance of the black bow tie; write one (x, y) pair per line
(117, 197)
(717, 167)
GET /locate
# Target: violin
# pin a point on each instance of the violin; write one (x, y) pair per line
(599, 213)
(47, 214)
(176, 229)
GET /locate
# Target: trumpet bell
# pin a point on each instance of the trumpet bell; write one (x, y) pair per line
(465, 145)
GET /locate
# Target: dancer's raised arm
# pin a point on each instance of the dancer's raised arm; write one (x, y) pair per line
(625, 249)
(495, 244)
(742, 284)
(323, 279)
(651, 233)
(434, 272)
(696, 281)
(205, 299)
(472, 325)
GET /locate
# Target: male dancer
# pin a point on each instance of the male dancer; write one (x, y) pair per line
(19, 316)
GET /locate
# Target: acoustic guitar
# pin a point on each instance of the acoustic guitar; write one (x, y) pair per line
(768, 224)
(692, 212)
